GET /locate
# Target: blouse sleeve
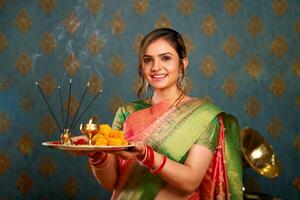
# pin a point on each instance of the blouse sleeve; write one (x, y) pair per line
(209, 138)
(119, 118)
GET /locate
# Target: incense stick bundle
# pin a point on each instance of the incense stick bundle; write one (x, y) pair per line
(62, 108)
(50, 109)
(82, 97)
(84, 111)
(70, 88)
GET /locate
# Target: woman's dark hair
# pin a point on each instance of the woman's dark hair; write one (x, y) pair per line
(172, 37)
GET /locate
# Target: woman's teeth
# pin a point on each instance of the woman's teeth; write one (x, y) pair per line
(159, 77)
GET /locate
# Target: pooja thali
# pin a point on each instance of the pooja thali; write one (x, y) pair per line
(86, 147)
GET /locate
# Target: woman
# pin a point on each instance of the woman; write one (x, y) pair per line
(181, 142)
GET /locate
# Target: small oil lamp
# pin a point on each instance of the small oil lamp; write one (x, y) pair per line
(89, 130)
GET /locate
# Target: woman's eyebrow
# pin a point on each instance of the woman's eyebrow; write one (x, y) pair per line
(162, 54)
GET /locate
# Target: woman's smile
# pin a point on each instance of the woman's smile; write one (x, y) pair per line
(159, 77)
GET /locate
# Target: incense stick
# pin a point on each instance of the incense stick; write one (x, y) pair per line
(44, 97)
(70, 88)
(83, 95)
(62, 107)
(87, 107)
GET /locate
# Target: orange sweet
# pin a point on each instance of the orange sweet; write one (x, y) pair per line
(104, 129)
(106, 136)
(101, 142)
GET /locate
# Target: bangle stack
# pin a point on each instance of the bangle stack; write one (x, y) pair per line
(148, 161)
(160, 167)
(97, 158)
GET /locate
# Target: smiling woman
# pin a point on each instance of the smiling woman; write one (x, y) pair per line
(179, 140)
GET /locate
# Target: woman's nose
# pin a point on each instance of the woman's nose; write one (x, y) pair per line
(156, 65)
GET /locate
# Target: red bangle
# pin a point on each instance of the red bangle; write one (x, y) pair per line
(148, 159)
(161, 166)
(151, 157)
(98, 162)
(143, 160)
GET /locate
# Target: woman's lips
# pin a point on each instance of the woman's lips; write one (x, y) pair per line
(158, 77)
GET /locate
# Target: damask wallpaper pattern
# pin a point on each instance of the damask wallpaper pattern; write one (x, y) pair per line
(244, 56)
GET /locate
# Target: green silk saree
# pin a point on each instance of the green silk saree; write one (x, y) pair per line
(172, 132)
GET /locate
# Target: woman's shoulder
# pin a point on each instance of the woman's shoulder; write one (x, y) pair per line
(200, 101)
(136, 105)
(204, 103)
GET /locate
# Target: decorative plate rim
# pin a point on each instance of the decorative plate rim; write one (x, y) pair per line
(85, 147)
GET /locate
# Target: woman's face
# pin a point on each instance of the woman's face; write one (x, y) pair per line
(161, 65)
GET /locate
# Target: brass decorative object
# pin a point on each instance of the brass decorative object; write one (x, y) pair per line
(89, 129)
(65, 137)
(258, 153)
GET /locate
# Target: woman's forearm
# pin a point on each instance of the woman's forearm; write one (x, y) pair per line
(106, 174)
(177, 175)
(185, 177)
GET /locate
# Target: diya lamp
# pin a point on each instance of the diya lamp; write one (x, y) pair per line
(89, 129)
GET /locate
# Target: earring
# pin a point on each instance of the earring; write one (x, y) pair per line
(182, 81)
(146, 86)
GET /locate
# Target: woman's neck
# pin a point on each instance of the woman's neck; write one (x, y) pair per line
(165, 95)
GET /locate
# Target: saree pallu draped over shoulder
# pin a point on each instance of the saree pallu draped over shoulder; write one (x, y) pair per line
(172, 132)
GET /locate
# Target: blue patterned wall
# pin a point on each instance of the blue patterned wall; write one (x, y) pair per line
(244, 56)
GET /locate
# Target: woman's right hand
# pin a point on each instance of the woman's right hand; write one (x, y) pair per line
(138, 151)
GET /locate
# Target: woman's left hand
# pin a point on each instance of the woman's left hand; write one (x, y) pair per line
(138, 151)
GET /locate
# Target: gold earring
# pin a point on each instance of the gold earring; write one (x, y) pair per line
(146, 86)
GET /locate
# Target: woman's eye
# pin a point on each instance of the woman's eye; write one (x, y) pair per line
(166, 58)
(147, 60)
